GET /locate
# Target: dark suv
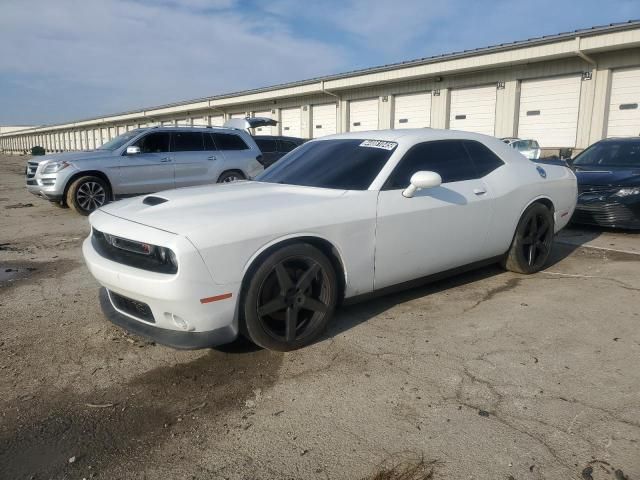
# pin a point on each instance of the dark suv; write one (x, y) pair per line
(274, 147)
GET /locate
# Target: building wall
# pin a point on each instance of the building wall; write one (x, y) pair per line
(504, 70)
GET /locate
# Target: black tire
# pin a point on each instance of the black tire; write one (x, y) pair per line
(290, 298)
(87, 194)
(231, 176)
(532, 242)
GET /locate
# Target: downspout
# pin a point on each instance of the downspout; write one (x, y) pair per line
(590, 60)
(324, 90)
(339, 120)
(583, 55)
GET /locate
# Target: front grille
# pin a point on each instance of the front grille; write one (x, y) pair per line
(128, 257)
(606, 213)
(31, 171)
(604, 189)
(139, 310)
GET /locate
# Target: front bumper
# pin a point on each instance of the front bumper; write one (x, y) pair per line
(608, 213)
(49, 186)
(177, 316)
(171, 338)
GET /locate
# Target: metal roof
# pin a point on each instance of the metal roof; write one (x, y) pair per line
(392, 66)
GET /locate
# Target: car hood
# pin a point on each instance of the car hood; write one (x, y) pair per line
(607, 176)
(242, 205)
(71, 156)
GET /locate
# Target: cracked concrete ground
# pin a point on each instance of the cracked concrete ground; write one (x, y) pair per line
(492, 374)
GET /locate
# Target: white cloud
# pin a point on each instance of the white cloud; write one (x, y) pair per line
(129, 54)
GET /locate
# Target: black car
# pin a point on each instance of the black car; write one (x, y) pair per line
(609, 184)
(274, 147)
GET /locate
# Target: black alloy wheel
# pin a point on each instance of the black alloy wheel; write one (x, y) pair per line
(532, 242)
(291, 298)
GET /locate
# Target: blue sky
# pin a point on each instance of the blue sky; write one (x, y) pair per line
(65, 60)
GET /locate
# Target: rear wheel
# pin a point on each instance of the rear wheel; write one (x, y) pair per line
(87, 194)
(231, 176)
(531, 245)
(290, 298)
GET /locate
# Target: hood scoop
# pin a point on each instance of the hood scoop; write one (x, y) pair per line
(151, 200)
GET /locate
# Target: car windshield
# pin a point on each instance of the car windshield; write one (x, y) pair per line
(624, 154)
(347, 164)
(119, 141)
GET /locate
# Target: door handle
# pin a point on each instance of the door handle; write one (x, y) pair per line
(166, 159)
(212, 157)
(479, 191)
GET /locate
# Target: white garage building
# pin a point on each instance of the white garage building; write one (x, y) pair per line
(566, 91)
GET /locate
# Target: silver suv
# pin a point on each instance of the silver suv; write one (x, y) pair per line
(143, 161)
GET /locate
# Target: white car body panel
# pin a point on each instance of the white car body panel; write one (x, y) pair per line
(380, 237)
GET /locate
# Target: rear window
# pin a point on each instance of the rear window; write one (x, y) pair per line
(266, 145)
(348, 164)
(229, 141)
(186, 142)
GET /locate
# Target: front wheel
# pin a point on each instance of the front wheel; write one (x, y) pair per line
(87, 194)
(531, 245)
(290, 298)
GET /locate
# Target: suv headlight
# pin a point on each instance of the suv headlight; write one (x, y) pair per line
(627, 192)
(55, 166)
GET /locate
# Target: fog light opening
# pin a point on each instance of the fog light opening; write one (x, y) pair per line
(181, 323)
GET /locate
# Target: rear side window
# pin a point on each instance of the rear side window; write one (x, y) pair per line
(449, 158)
(157, 142)
(484, 159)
(266, 145)
(208, 142)
(229, 141)
(287, 146)
(187, 142)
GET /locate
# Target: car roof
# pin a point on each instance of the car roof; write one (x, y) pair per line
(411, 135)
(620, 139)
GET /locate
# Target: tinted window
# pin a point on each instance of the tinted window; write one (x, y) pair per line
(340, 164)
(187, 142)
(229, 141)
(208, 142)
(611, 154)
(484, 159)
(119, 141)
(154, 143)
(287, 145)
(266, 145)
(446, 157)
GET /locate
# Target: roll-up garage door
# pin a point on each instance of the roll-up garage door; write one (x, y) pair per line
(263, 130)
(105, 135)
(290, 121)
(624, 106)
(363, 115)
(182, 122)
(549, 110)
(238, 115)
(412, 111)
(217, 120)
(474, 109)
(324, 120)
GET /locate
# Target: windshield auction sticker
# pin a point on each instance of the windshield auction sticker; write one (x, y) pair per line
(379, 144)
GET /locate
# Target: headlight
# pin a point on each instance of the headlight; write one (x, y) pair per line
(627, 192)
(55, 166)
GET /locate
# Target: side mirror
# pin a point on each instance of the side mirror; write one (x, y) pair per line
(421, 180)
(133, 150)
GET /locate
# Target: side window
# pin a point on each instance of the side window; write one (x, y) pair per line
(186, 142)
(157, 142)
(446, 157)
(266, 145)
(229, 141)
(484, 159)
(209, 146)
(287, 146)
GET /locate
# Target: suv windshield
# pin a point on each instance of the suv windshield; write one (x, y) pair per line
(622, 154)
(120, 140)
(348, 164)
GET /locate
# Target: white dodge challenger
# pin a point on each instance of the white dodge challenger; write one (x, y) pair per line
(339, 217)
